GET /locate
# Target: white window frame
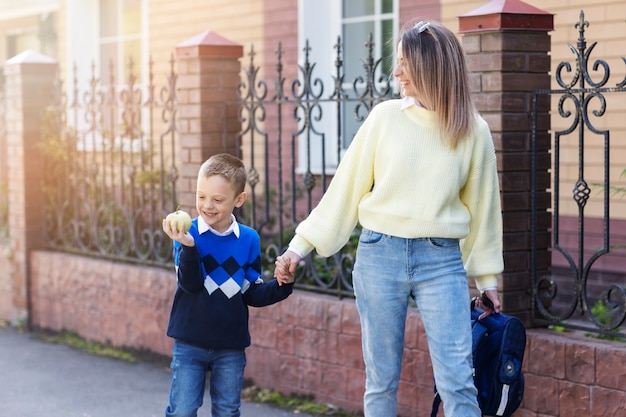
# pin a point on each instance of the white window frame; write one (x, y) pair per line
(121, 60)
(323, 55)
(83, 52)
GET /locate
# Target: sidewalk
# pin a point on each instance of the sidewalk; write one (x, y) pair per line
(38, 379)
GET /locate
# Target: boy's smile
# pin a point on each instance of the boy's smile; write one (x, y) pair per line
(216, 200)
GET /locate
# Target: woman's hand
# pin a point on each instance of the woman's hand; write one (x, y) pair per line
(492, 305)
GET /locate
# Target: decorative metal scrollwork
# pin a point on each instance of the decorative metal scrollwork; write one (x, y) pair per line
(301, 109)
(111, 181)
(578, 96)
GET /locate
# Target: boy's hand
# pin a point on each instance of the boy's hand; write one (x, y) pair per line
(176, 233)
(286, 267)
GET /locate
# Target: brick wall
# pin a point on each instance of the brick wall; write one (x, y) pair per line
(117, 304)
(6, 284)
(310, 344)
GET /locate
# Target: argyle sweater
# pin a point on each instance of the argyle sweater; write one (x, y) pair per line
(218, 279)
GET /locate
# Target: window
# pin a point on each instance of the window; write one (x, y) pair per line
(353, 21)
(105, 32)
(359, 20)
(120, 39)
(102, 36)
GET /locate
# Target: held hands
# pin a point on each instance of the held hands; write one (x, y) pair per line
(177, 232)
(286, 267)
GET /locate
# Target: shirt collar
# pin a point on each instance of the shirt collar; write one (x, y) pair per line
(233, 228)
(409, 101)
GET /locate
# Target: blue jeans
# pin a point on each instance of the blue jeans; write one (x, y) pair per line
(388, 270)
(189, 368)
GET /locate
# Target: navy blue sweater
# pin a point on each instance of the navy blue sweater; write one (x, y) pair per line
(218, 279)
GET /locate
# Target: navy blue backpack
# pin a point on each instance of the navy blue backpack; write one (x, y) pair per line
(498, 344)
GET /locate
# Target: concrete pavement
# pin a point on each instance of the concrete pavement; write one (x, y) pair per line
(39, 379)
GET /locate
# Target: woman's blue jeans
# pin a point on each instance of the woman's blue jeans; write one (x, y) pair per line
(189, 368)
(388, 270)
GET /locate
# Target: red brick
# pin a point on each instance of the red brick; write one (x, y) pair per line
(422, 342)
(574, 399)
(607, 402)
(285, 338)
(541, 394)
(416, 366)
(334, 317)
(264, 333)
(350, 321)
(580, 363)
(308, 342)
(333, 377)
(516, 241)
(516, 41)
(408, 398)
(471, 43)
(355, 388)
(611, 366)
(350, 351)
(546, 355)
(516, 201)
(310, 375)
(516, 261)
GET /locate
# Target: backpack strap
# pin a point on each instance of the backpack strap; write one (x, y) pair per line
(478, 327)
(436, 402)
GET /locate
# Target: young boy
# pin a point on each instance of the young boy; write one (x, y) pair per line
(218, 266)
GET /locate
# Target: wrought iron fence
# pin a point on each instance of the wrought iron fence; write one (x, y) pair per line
(599, 299)
(110, 171)
(111, 151)
(112, 176)
(288, 125)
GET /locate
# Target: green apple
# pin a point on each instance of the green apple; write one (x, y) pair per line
(179, 218)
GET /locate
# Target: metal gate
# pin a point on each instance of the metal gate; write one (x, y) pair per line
(584, 287)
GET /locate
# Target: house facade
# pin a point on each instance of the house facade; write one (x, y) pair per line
(94, 40)
(100, 36)
(112, 39)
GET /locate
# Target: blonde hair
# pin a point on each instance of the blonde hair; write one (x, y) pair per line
(435, 64)
(228, 166)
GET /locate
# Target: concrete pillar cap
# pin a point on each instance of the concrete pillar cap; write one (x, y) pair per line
(209, 44)
(506, 15)
(30, 57)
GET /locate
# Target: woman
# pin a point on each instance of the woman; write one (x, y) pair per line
(420, 178)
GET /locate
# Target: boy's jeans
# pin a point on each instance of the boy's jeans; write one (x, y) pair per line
(388, 270)
(189, 367)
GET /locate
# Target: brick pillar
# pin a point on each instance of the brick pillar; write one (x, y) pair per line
(507, 46)
(29, 81)
(208, 74)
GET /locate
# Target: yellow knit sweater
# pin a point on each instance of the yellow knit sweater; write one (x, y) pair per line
(422, 188)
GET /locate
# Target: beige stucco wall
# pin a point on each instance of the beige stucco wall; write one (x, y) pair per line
(20, 25)
(172, 22)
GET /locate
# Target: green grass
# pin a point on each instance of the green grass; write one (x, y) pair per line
(297, 403)
(76, 342)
